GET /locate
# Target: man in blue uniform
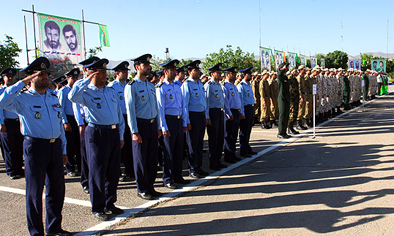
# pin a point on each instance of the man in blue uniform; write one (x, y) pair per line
(246, 124)
(173, 124)
(214, 117)
(70, 124)
(142, 115)
(103, 138)
(195, 106)
(44, 146)
(122, 72)
(232, 100)
(180, 75)
(11, 137)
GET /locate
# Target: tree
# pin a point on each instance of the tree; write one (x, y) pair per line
(229, 58)
(336, 59)
(366, 61)
(9, 50)
(319, 58)
(94, 51)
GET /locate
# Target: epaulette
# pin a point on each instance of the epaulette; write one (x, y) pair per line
(159, 84)
(222, 82)
(131, 82)
(210, 82)
(127, 80)
(24, 89)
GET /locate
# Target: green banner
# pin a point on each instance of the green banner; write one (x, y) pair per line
(378, 65)
(104, 37)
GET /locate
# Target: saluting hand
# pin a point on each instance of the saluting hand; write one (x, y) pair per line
(27, 79)
(65, 159)
(92, 75)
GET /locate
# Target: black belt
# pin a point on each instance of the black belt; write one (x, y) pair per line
(173, 117)
(235, 109)
(250, 105)
(146, 120)
(196, 112)
(103, 126)
(15, 120)
(52, 140)
(221, 109)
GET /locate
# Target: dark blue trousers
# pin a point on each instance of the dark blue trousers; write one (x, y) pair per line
(145, 155)
(43, 166)
(231, 135)
(73, 146)
(126, 153)
(173, 151)
(215, 136)
(245, 130)
(195, 140)
(12, 142)
(103, 151)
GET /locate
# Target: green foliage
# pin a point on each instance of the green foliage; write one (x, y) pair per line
(9, 50)
(94, 51)
(336, 59)
(229, 58)
(319, 58)
(367, 58)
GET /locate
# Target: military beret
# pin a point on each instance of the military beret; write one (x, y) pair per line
(89, 61)
(124, 65)
(39, 64)
(72, 72)
(231, 69)
(215, 68)
(8, 71)
(193, 65)
(142, 59)
(246, 70)
(98, 65)
(170, 64)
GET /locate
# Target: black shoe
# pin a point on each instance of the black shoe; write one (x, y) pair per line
(101, 216)
(154, 193)
(195, 175)
(202, 173)
(283, 136)
(58, 233)
(214, 168)
(230, 160)
(292, 131)
(12, 176)
(114, 210)
(182, 181)
(287, 136)
(170, 186)
(122, 178)
(145, 196)
(86, 189)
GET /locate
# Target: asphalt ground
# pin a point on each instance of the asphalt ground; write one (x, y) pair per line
(338, 183)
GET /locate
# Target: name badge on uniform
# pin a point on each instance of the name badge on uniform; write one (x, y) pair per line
(98, 105)
(38, 115)
(121, 98)
(143, 98)
(171, 97)
(232, 94)
(217, 95)
(196, 94)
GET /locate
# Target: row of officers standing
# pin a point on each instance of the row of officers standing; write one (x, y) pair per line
(90, 126)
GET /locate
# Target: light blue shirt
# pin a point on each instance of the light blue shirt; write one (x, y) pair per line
(40, 114)
(194, 96)
(246, 93)
(79, 113)
(119, 88)
(177, 82)
(214, 96)
(101, 106)
(4, 114)
(65, 102)
(232, 98)
(140, 99)
(170, 102)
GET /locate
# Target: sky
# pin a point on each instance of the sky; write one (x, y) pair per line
(195, 28)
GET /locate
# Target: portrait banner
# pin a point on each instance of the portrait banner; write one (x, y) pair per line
(313, 62)
(265, 58)
(292, 59)
(378, 65)
(278, 58)
(303, 60)
(61, 40)
(355, 64)
(323, 63)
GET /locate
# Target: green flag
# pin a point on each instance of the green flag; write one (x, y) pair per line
(104, 37)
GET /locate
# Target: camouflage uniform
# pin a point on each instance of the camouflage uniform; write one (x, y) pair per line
(256, 93)
(274, 92)
(265, 100)
(294, 101)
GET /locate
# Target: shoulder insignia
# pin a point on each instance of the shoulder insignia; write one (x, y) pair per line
(131, 82)
(159, 84)
(210, 82)
(24, 90)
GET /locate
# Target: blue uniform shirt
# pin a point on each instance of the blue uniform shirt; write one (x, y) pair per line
(119, 88)
(79, 113)
(246, 93)
(232, 98)
(101, 106)
(177, 82)
(65, 102)
(40, 114)
(214, 96)
(170, 102)
(194, 96)
(4, 114)
(140, 99)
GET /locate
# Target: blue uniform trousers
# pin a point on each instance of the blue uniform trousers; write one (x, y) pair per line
(173, 151)
(126, 153)
(103, 151)
(43, 166)
(73, 146)
(215, 136)
(231, 135)
(245, 130)
(195, 140)
(12, 142)
(145, 155)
